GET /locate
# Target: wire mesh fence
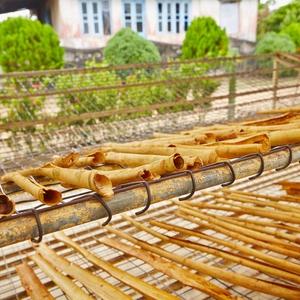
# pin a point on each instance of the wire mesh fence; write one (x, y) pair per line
(51, 110)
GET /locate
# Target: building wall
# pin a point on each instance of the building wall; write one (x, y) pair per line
(66, 19)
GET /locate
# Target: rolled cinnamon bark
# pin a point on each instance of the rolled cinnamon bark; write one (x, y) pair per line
(72, 290)
(7, 206)
(280, 110)
(282, 119)
(205, 155)
(147, 172)
(89, 179)
(90, 160)
(99, 286)
(42, 193)
(31, 283)
(66, 161)
(283, 137)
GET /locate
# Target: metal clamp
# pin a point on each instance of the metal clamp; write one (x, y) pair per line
(39, 226)
(106, 207)
(254, 155)
(193, 185)
(222, 164)
(290, 158)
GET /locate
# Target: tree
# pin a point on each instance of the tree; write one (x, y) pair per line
(27, 45)
(204, 38)
(273, 42)
(280, 18)
(128, 47)
(293, 31)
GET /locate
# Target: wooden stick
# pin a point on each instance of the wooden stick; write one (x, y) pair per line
(96, 284)
(72, 290)
(170, 269)
(31, 283)
(274, 232)
(257, 265)
(247, 199)
(269, 197)
(227, 230)
(146, 289)
(236, 279)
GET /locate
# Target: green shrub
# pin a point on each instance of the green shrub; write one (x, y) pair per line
(204, 38)
(281, 18)
(273, 42)
(27, 45)
(127, 47)
(293, 31)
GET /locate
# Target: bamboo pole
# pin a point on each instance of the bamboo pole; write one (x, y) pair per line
(146, 289)
(171, 269)
(234, 257)
(236, 279)
(96, 284)
(31, 283)
(53, 220)
(72, 290)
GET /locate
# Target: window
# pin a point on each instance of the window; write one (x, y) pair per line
(173, 16)
(133, 11)
(229, 16)
(95, 17)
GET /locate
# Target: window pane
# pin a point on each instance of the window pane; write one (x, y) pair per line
(96, 27)
(127, 8)
(160, 8)
(138, 8)
(139, 27)
(106, 22)
(86, 28)
(185, 8)
(105, 5)
(169, 27)
(177, 27)
(169, 8)
(177, 8)
(128, 24)
(95, 8)
(160, 26)
(83, 7)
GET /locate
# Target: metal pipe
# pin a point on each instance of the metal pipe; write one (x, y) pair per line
(21, 227)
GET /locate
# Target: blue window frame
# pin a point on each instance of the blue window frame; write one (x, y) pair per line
(173, 15)
(95, 17)
(133, 15)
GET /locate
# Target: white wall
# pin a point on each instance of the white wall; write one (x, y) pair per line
(66, 20)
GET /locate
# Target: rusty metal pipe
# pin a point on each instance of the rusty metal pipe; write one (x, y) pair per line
(21, 227)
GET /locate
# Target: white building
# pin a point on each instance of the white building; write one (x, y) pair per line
(89, 24)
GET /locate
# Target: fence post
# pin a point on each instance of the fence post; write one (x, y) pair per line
(275, 80)
(232, 91)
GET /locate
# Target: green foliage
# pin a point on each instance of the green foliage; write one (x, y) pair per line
(127, 47)
(273, 42)
(293, 31)
(281, 18)
(27, 45)
(204, 38)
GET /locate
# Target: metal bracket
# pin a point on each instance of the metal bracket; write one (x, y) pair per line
(39, 226)
(106, 207)
(147, 187)
(193, 186)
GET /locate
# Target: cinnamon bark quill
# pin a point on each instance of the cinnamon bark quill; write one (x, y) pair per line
(7, 206)
(45, 195)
